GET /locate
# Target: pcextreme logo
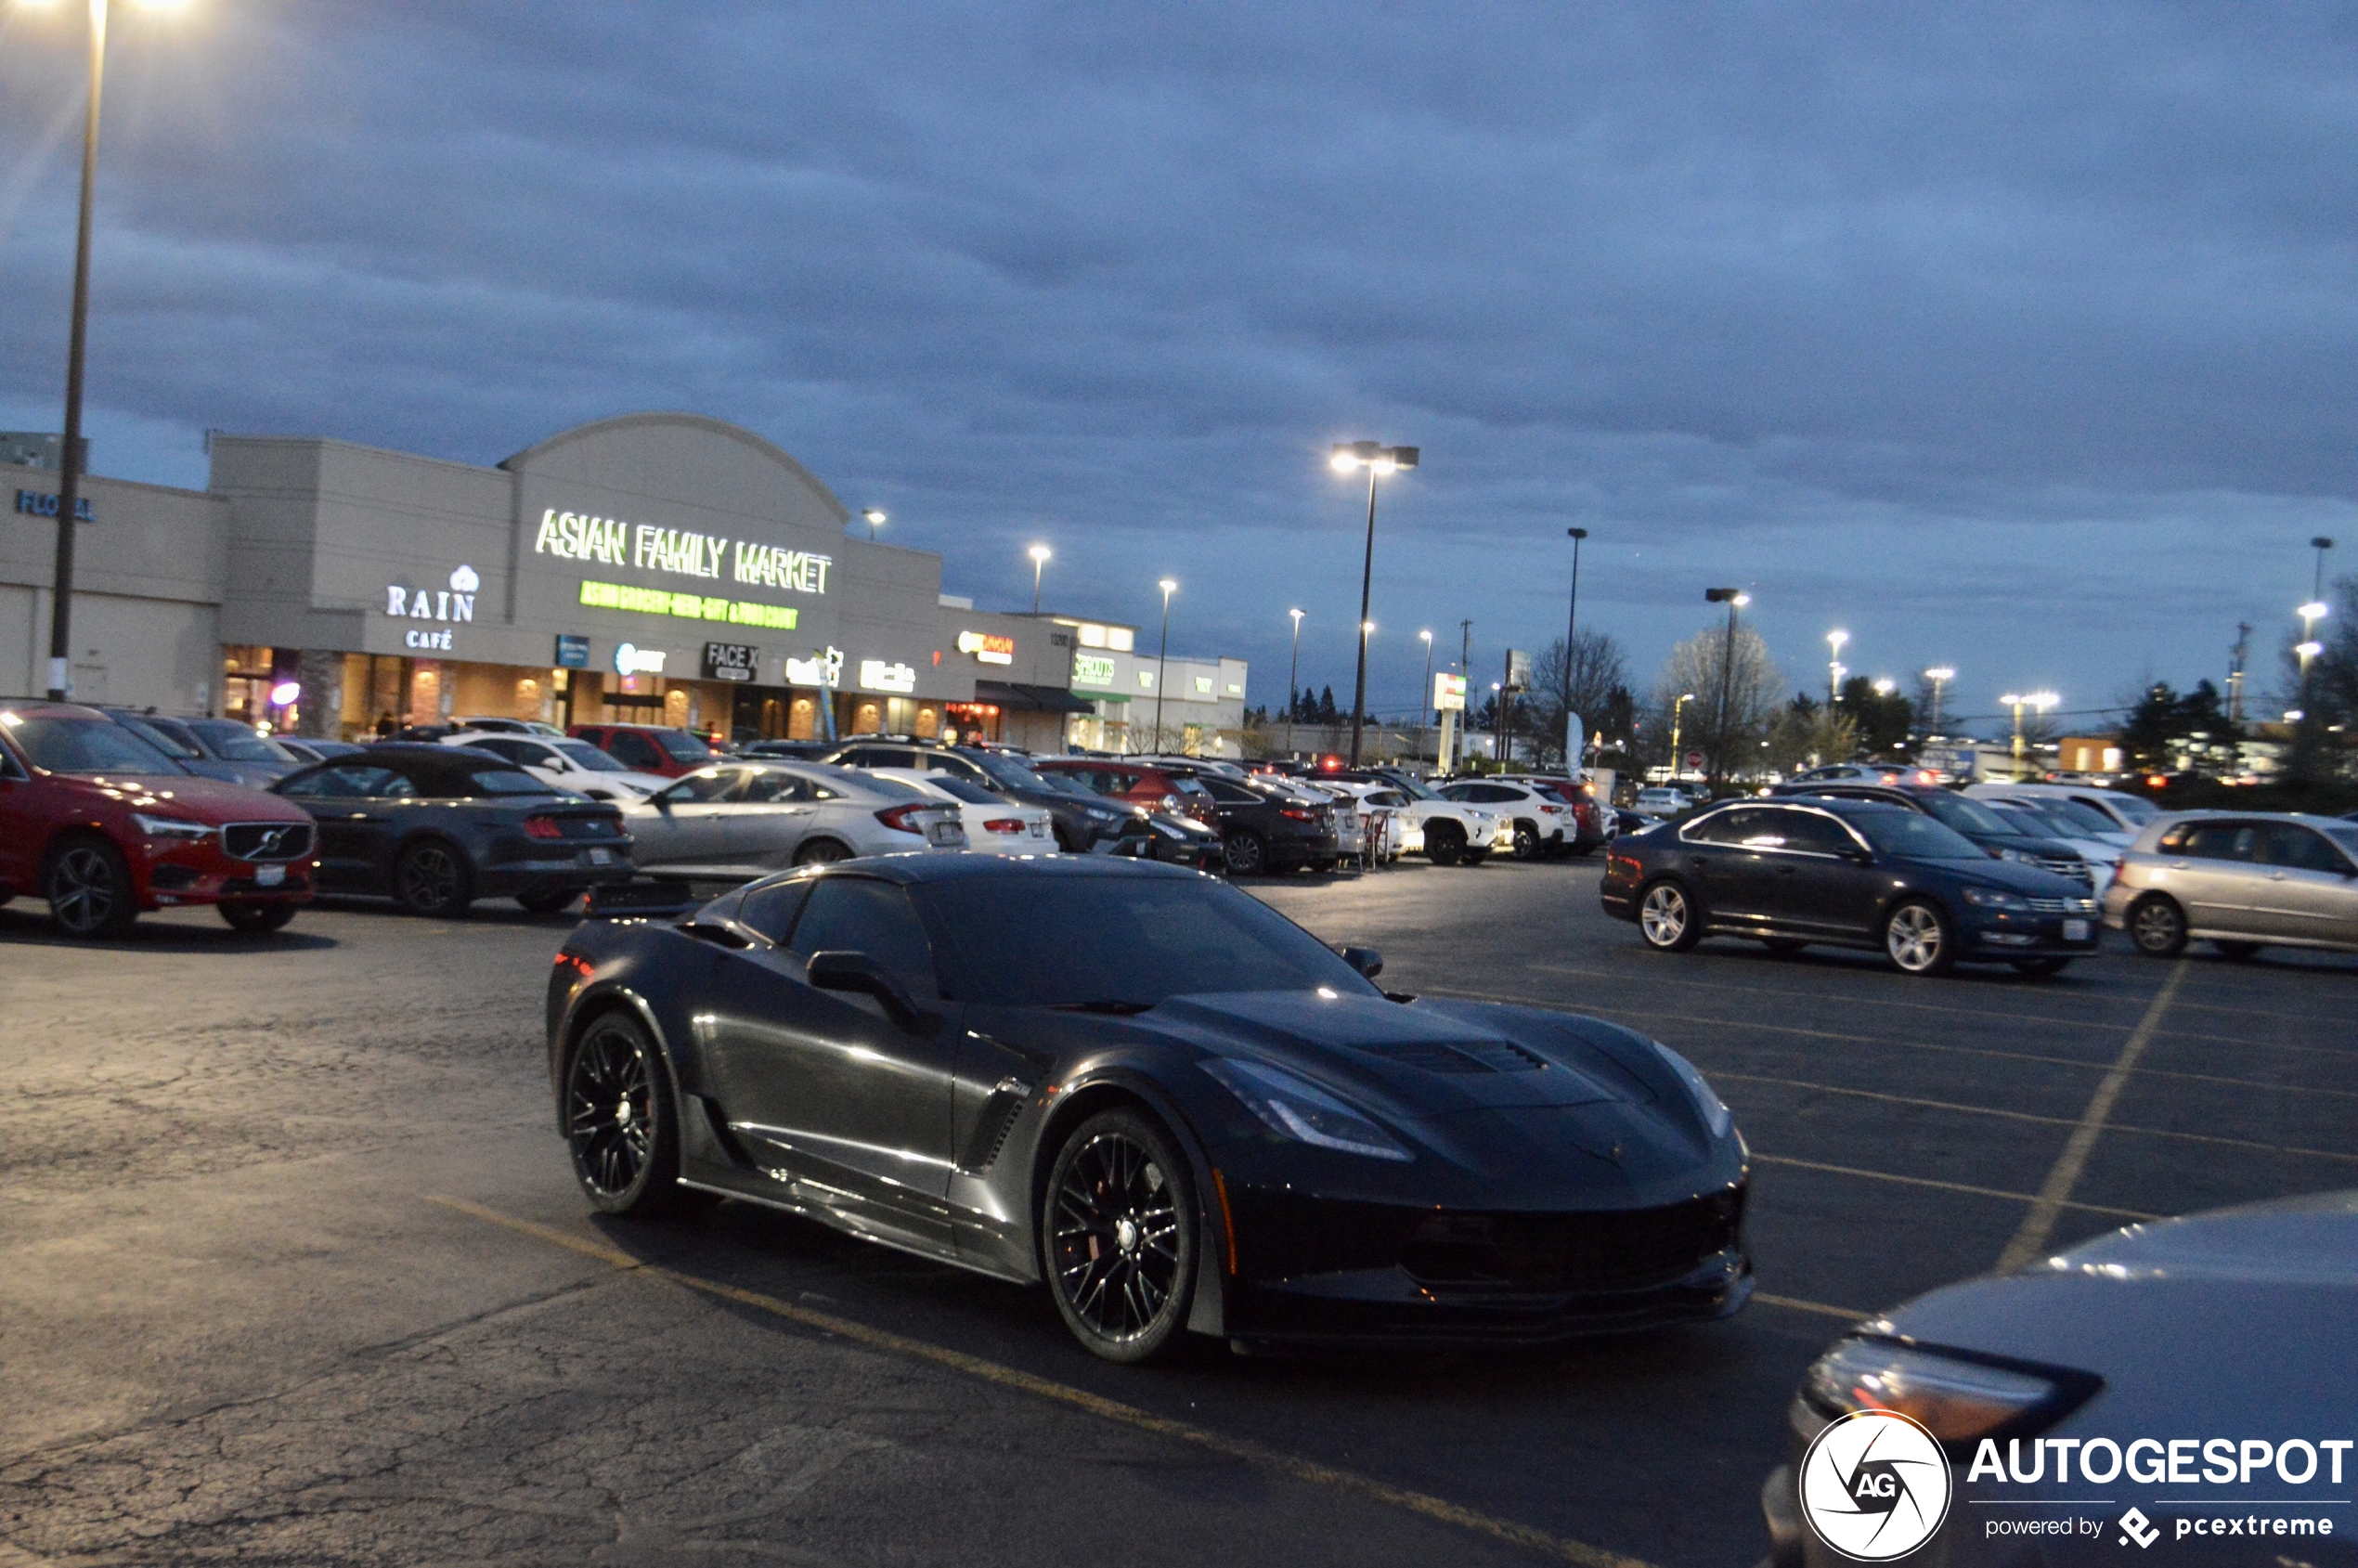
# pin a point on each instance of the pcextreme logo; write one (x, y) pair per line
(1874, 1487)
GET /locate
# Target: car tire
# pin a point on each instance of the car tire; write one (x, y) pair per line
(255, 919)
(1526, 847)
(1444, 843)
(2158, 926)
(621, 1135)
(1119, 1237)
(1474, 857)
(1919, 938)
(547, 901)
(88, 885)
(2051, 965)
(1668, 917)
(1783, 945)
(431, 878)
(1248, 853)
(822, 851)
(2238, 951)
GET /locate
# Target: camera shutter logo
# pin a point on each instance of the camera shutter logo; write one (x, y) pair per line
(1874, 1487)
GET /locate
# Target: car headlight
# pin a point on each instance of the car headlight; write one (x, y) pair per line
(1957, 1399)
(1099, 814)
(170, 827)
(1995, 897)
(1303, 1111)
(2018, 856)
(1708, 1105)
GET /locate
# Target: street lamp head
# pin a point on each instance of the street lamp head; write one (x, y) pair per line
(1686, 696)
(2042, 701)
(2321, 542)
(1352, 454)
(875, 516)
(1886, 686)
(1719, 595)
(1940, 672)
(2315, 610)
(1578, 533)
(1169, 586)
(1366, 629)
(1838, 639)
(1297, 618)
(2293, 716)
(2308, 650)
(1040, 552)
(1425, 636)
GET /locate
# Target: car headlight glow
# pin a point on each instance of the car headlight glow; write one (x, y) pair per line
(1994, 898)
(1708, 1105)
(1957, 1399)
(1294, 1108)
(170, 827)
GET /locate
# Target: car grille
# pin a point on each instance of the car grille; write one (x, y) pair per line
(2075, 868)
(2063, 906)
(267, 841)
(1555, 1254)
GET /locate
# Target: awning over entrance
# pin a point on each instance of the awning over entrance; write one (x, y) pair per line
(1035, 699)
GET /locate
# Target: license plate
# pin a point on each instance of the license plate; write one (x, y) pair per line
(269, 875)
(945, 833)
(1040, 830)
(2075, 930)
(602, 856)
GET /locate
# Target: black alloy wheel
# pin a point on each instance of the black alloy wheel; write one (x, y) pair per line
(1918, 938)
(1667, 917)
(1119, 1234)
(820, 851)
(1444, 843)
(1248, 853)
(2158, 926)
(431, 879)
(619, 1128)
(1526, 842)
(89, 890)
(2049, 966)
(2237, 950)
(253, 918)
(547, 901)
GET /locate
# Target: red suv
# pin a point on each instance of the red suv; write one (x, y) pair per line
(103, 825)
(650, 748)
(1141, 783)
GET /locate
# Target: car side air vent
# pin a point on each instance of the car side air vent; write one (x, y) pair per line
(1460, 1056)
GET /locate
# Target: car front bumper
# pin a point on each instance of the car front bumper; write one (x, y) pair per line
(1998, 934)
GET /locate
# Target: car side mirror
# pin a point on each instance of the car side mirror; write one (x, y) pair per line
(661, 801)
(1860, 856)
(844, 969)
(1367, 960)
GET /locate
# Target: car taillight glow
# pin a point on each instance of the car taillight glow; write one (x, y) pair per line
(1554, 811)
(896, 817)
(1297, 813)
(542, 827)
(1004, 824)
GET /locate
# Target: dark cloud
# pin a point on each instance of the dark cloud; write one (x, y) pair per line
(2017, 340)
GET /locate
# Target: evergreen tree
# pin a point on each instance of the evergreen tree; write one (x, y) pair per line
(1326, 712)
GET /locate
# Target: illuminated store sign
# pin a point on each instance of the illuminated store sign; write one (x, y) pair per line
(988, 647)
(688, 606)
(610, 541)
(876, 675)
(33, 503)
(820, 670)
(452, 605)
(1093, 670)
(729, 661)
(632, 660)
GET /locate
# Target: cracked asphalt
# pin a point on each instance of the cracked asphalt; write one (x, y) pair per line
(291, 1269)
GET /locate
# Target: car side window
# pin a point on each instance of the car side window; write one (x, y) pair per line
(350, 782)
(771, 909)
(770, 788)
(956, 766)
(861, 915)
(1229, 794)
(635, 750)
(1725, 827)
(706, 787)
(2221, 841)
(393, 786)
(2295, 847)
(514, 751)
(1817, 835)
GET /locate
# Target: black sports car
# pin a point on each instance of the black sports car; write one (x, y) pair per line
(438, 828)
(1138, 1084)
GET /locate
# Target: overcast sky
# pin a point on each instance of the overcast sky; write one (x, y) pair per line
(2019, 340)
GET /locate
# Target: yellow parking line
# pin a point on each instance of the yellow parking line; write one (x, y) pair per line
(1795, 1304)
(1423, 1504)
(2032, 1116)
(1945, 1186)
(2040, 1224)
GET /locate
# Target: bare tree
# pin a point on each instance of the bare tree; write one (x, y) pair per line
(1583, 682)
(1808, 734)
(1753, 682)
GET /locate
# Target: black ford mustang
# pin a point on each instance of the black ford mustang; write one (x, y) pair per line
(1138, 1084)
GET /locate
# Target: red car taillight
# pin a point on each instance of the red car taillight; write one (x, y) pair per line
(1004, 824)
(1297, 813)
(896, 817)
(542, 827)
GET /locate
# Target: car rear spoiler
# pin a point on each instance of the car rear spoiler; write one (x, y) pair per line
(642, 899)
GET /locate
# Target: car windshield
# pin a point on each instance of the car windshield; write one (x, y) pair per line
(963, 789)
(87, 746)
(233, 742)
(1967, 816)
(1415, 789)
(1012, 773)
(504, 780)
(2345, 835)
(1125, 941)
(891, 789)
(1911, 835)
(2085, 819)
(588, 758)
(2135, 808)
(681, 747)
(157, 736)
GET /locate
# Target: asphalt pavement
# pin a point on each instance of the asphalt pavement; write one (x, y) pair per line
(291, 1269)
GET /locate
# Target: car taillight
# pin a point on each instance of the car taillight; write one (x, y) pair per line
(542, 827)
(1553, 810)
(1004, 824)
(1297, 813)
(896, 817)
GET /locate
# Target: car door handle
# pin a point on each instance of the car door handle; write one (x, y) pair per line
(2276, 877)
(2178, 865)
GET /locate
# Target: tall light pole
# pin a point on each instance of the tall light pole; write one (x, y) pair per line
(1834, 640)
(1465, 669)
(2042, 701)
(1292, 669)
(1163, 661)
(876, 517)
(1424, 720)
(1039, 553)
(1939, 675)
(1676, 709)
(2317, 581)
(1377, 461)
(1735, 599)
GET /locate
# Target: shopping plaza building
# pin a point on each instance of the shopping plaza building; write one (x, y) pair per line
(659, 568)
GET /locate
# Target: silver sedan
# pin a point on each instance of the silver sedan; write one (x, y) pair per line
(736, 820)
(2240, 880)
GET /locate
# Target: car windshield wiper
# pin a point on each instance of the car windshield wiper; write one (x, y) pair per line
(1122, 1009)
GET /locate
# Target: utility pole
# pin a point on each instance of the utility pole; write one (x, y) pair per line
(1464, 668)
(70, 458)
(2236, 673)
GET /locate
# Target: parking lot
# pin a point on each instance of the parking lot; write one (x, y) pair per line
(293, 1269)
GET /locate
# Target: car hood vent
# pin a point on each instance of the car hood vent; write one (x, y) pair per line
(1459, 1056)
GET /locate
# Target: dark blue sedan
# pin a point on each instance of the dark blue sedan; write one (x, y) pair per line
(1847, 873)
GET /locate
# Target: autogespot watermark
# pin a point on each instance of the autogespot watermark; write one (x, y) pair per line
(1874, 1487)
(2307, 1469)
